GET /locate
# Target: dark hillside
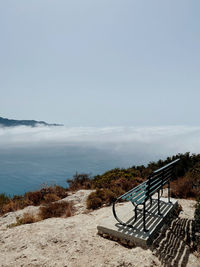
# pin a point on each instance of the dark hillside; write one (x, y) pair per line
(10, 123)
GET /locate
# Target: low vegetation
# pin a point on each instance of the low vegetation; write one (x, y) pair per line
(56, 209)
(113, 183)
(100, 197)
(3, 200)
(184, 188)
(109, 186)
(27, 218)
(80, 181)
(46, 194)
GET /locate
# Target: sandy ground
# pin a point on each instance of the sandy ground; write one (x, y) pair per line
(74, 242)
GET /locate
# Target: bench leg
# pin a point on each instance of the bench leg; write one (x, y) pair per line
(121, 222)
(159, 213)
(150, 201)
(135, 214)
(144, 218)
(169, 193)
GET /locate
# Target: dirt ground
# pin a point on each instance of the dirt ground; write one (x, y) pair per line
(73, 241)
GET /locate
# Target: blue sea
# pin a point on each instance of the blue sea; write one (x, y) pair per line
(26, 169)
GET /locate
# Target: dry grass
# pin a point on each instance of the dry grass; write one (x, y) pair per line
(34, 198)
(27, 218)
(80, 181)
(3, 199)
(51, 198)
(56, 209)
(46, 195)
(101, 197)
(183, 188)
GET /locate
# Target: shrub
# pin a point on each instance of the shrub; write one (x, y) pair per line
(118, 191)
(16, 203)
(44, 195)
(20, 201)
(124, 177)
(93, 202)
(101, 197)
(59, 191)
(4, 200)
(27, 218)
(56, 209)
(183, 188)
(34, 198)
(11, 206)
(124, 184)
(51, 198)
(80, 181)
(111, 185)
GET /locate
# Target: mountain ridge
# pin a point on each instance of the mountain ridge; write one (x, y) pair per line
(33, 123)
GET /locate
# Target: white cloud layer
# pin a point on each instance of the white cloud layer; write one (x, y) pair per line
(166, 140)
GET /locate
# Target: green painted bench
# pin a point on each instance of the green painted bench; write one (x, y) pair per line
(140, 194)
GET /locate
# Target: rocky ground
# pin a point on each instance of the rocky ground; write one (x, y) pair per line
(74, 242)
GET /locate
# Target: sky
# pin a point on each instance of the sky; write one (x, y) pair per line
(106, 63)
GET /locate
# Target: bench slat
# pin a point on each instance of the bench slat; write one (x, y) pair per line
(136, 197)
(151, 183)
(158, 185)
(155, 189)
(166, 166)
(135, 190)
(160, 176)
(140, 200)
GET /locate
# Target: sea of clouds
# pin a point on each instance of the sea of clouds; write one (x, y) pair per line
(155, 141)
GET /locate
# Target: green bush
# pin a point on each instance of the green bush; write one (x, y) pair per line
(93, 201)
(125, 177)
(80, 181)
(119, 181)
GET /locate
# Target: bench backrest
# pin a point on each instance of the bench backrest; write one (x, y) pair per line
(153, 183)
(159, 178)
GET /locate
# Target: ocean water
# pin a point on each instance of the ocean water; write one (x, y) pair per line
(26, 169)
(31, 157)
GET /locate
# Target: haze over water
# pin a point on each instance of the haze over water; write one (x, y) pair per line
(30, 157)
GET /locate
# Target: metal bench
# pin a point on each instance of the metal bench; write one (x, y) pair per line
(140, 194)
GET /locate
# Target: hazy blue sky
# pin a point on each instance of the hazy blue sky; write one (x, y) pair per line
(100, 63)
